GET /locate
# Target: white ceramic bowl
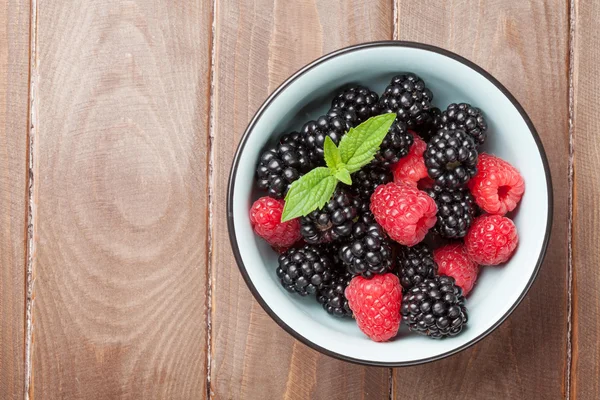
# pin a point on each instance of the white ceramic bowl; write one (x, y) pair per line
(306, 95)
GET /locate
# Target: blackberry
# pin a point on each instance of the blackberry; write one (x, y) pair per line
(347, 115)
(451, 158)
(431, 124)
(304, 270)
(456, 211)
(408, 97)
(314, 133)
(359, 99)
(333, 297)
(333, 221)
(435, 307)
(466, 117)
(415, 264)
(282, 164)
(369, 251)
(394, 146)
(366, 180)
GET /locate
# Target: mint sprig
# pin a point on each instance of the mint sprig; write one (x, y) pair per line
(357, 148)
(359, 145)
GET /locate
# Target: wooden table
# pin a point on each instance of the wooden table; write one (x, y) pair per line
(118, 124)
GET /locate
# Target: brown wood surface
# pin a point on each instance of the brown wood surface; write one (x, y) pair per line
(14, 92)
(120, 286)
(258, 45)
(525, 45)
(136, 108)
(585, 373)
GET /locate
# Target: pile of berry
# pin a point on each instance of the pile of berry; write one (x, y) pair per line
(368, 251)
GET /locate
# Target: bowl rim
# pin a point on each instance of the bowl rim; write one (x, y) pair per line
(279, 90)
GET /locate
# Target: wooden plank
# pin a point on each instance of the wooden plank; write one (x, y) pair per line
(122, 198)
(258, 45)
(585, 373)
(525, 45)
(14, 96)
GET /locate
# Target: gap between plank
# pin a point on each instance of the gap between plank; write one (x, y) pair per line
(391, 384)
(395, 32)
(571, 178)
(31, 195)
(211, 156)
(32, 166)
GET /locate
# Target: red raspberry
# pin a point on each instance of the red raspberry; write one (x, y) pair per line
(497, 186)
(453, 260)
(405, 212)
(265, 217)
(411, 169)
(376, 305)
(491, 240)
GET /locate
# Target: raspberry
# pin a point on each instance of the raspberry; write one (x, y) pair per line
(453, 260)
(411, 169)
(404, 212)
(376, 305)
(491, 240)
(497, 186)
(265, 217)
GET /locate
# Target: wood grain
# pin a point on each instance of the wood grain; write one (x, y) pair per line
(14, 95)
(525, 45)
(258, 45)
(120, 289)
(585, 373)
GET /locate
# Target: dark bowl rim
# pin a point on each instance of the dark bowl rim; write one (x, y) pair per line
(280, 89)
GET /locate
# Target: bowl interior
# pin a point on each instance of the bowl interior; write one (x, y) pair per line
(308, 95)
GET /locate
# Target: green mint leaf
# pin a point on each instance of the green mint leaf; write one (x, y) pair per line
(333, 158)
(308, 193)
(359, 145)
(344, 176)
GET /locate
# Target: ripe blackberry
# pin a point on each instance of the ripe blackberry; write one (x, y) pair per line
(466, 117)
(359, 99)
(347, 115)
(282, 164)
(394, 146)
(333, 296)
(314, 133)
(408, 97)
(456, 210)
(415, 264)
(435, 307)
(333, 221)
(304, 270)
(431, 124)
(369, 251)
(451, 158)
(366, 180)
